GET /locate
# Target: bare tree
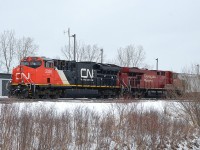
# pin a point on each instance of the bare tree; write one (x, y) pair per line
(67, 52)
(7, 48)
(90, 53)
(12, 49)
(130, 56)
(26, 47)
(1, 62)
(83, 52)
(189, 109)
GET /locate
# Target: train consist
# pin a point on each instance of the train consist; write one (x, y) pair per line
(40, 77)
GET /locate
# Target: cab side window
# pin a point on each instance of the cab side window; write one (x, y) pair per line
(25, 63)
(162, 73)
(49, 64)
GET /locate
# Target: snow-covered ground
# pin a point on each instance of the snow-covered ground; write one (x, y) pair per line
(99, 107)
(3, 97)
(70, 104)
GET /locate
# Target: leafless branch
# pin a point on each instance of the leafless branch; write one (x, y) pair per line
(130, 56)
(7, 48)
(26, 47)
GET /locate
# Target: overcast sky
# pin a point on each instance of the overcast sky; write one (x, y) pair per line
(167, 29)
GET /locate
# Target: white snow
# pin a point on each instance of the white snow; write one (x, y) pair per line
(61, 106)
(3, 97)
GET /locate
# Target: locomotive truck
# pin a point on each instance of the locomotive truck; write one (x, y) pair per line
(41, 77)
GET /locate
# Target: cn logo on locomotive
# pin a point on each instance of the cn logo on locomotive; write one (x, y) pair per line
(86, 73)
(22, 75)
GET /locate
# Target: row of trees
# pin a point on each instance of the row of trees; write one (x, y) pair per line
(13, 49)
(129, 56)
(84, 52)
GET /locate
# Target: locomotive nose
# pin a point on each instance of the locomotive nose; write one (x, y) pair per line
(21, 75)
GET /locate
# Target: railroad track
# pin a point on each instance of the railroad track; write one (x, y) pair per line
(77, 100)
(82, 100)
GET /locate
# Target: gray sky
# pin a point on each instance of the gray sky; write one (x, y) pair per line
(167, 29)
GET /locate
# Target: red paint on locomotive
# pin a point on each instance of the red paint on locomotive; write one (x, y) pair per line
(32, 70)
(146, 79)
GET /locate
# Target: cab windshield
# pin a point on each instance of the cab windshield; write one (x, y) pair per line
(32, 64)
(25, 63)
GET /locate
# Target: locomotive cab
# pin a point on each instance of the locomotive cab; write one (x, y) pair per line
(32, 73)
(34, 70)
(22, 73)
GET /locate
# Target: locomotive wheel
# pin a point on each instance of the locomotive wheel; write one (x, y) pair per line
(36, 96)
(56, 96)
(46, 96)
(23, 95)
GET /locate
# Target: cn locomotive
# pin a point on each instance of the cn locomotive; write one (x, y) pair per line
(41, 77)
